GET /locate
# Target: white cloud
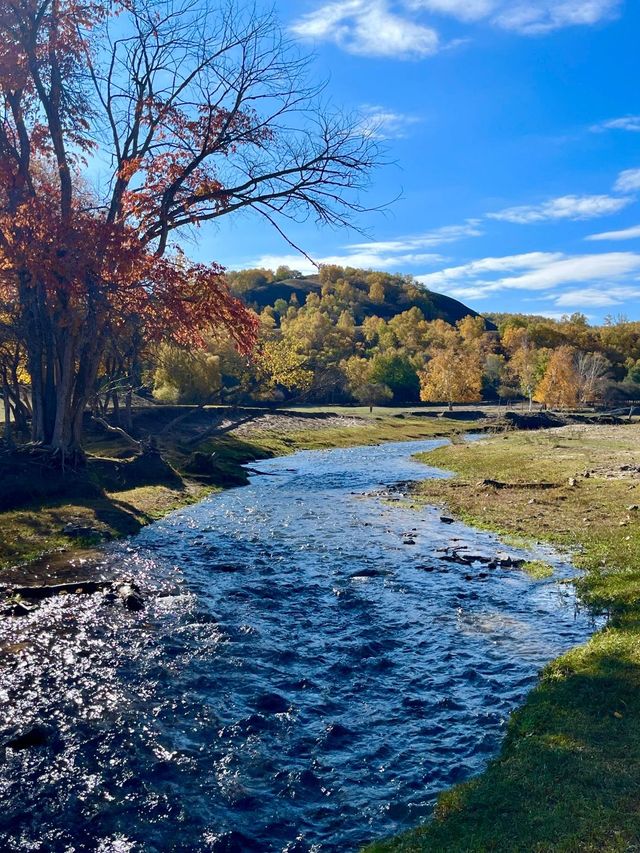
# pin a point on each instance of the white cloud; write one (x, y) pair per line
(631, 123)
(427, 240)
(596, 298)
(624, 234)
(535, 271)
(402, 29)
(374, 258)
(464, 10)
(536, 18)
(381, 254)
(566, 207)
(383, 123)
(628, 181)
(472, 277)
(368, 28)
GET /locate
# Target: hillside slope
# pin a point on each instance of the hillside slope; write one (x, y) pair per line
(398, 297)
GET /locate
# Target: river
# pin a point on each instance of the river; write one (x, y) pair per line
(307, 675)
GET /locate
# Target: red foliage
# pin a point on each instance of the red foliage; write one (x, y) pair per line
(103, 268)
(87, 260)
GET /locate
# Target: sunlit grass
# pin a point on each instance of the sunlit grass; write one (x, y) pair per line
(567, 777)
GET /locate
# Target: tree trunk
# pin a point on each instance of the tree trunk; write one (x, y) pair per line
(8, 436)
(63, 365)
(61, 439)
(128, 416)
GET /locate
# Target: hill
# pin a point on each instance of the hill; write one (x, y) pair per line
(400, 294)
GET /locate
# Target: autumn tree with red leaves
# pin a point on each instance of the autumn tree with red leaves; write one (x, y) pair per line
(187, 112)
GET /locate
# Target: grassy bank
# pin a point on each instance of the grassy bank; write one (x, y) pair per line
(109, 509)
(568, 777)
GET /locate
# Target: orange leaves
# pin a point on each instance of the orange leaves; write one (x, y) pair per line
(129, 167)
(453, 375)
(559, 385)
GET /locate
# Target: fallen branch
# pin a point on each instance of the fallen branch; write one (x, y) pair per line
(39, 593)
(112, 430)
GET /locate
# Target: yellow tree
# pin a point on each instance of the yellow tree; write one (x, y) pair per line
(471, 328)
(376, 291)
(278, 362)
(453, 375)
(560, 384)
(185, 376)
(361, 383)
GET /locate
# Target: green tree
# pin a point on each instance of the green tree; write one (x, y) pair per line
(396, 372)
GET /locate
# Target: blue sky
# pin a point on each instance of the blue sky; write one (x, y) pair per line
(514, 128)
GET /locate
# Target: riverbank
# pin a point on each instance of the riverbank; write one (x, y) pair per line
(567, 776)
(205, 451)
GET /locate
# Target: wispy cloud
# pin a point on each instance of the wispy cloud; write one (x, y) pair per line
(368, 28)
(591, 297)
(544, 16)
(384, 123)
(535, 271)
(403, 29)
(630, 123)
(363, 259)
(624, 234)
(628, 181)
(427, 240)
(395, 254)
(463, 10)
(573, 207)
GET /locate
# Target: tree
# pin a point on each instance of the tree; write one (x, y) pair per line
(396, 372)
(453, 375)
(411, 330)
(186, 377)
(284, 272)
(559, 385)
(471, 328)
(376, 291)
(593, 371)
(201, 111)
(240, 281)
(13, 379)
(526, 364)
(280, 363)
(361, 384)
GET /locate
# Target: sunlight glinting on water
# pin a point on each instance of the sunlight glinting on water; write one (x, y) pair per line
(308, 674)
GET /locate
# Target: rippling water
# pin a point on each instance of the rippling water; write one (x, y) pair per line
(301, 679)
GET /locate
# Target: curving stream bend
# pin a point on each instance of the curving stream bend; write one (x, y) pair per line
(301, 679)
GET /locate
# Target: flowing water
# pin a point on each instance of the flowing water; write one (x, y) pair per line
(301, 679)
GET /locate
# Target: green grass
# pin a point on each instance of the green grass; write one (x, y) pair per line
(31, 532)
(568, 776)
(538, 569)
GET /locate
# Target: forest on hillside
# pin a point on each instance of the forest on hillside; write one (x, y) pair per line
(370, 337)
(358, 336)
